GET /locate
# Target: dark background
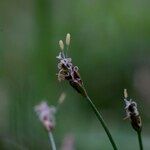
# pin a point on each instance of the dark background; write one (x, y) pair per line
(110, 44)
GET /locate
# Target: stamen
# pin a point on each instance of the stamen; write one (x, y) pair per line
(125, 93)
(61, 44)
(68, 39)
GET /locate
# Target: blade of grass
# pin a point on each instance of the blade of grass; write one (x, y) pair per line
(51, 139)
(140, 140)
(100, 118)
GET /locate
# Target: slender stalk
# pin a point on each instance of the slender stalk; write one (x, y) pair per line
(100, 118)
(51, 139)
(140, 140)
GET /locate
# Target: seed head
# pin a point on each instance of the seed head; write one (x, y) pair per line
(132, 112)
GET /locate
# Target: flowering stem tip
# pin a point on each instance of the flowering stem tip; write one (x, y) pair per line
(132, 113)
(46, 115)
(69, 72)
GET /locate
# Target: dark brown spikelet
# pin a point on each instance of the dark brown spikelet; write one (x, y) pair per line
(136, 122)
(132, 112)
(79, 88)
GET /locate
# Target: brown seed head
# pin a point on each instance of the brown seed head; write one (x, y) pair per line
(132, 113)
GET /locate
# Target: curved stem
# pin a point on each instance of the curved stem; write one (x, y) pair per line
(100, 118)
(52, 142)
(140, 140)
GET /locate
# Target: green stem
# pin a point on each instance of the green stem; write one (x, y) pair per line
(52, 142)
(140, 140)
(100, 118)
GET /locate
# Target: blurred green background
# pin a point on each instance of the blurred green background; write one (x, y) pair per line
(110, 44)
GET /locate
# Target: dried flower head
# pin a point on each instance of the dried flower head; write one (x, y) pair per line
(132, 112)
(46, 115)
(67, 71)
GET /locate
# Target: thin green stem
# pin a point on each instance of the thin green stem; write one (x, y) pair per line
(140, 140)
(51, 139)
(100, 118)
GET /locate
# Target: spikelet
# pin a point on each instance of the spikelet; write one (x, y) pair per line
(132, 112)
(68, 71)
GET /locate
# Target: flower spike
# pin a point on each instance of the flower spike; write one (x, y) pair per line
(67, 71)
(132, 112)
(46, 115)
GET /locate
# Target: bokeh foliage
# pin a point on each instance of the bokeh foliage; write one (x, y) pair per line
(110, 44)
